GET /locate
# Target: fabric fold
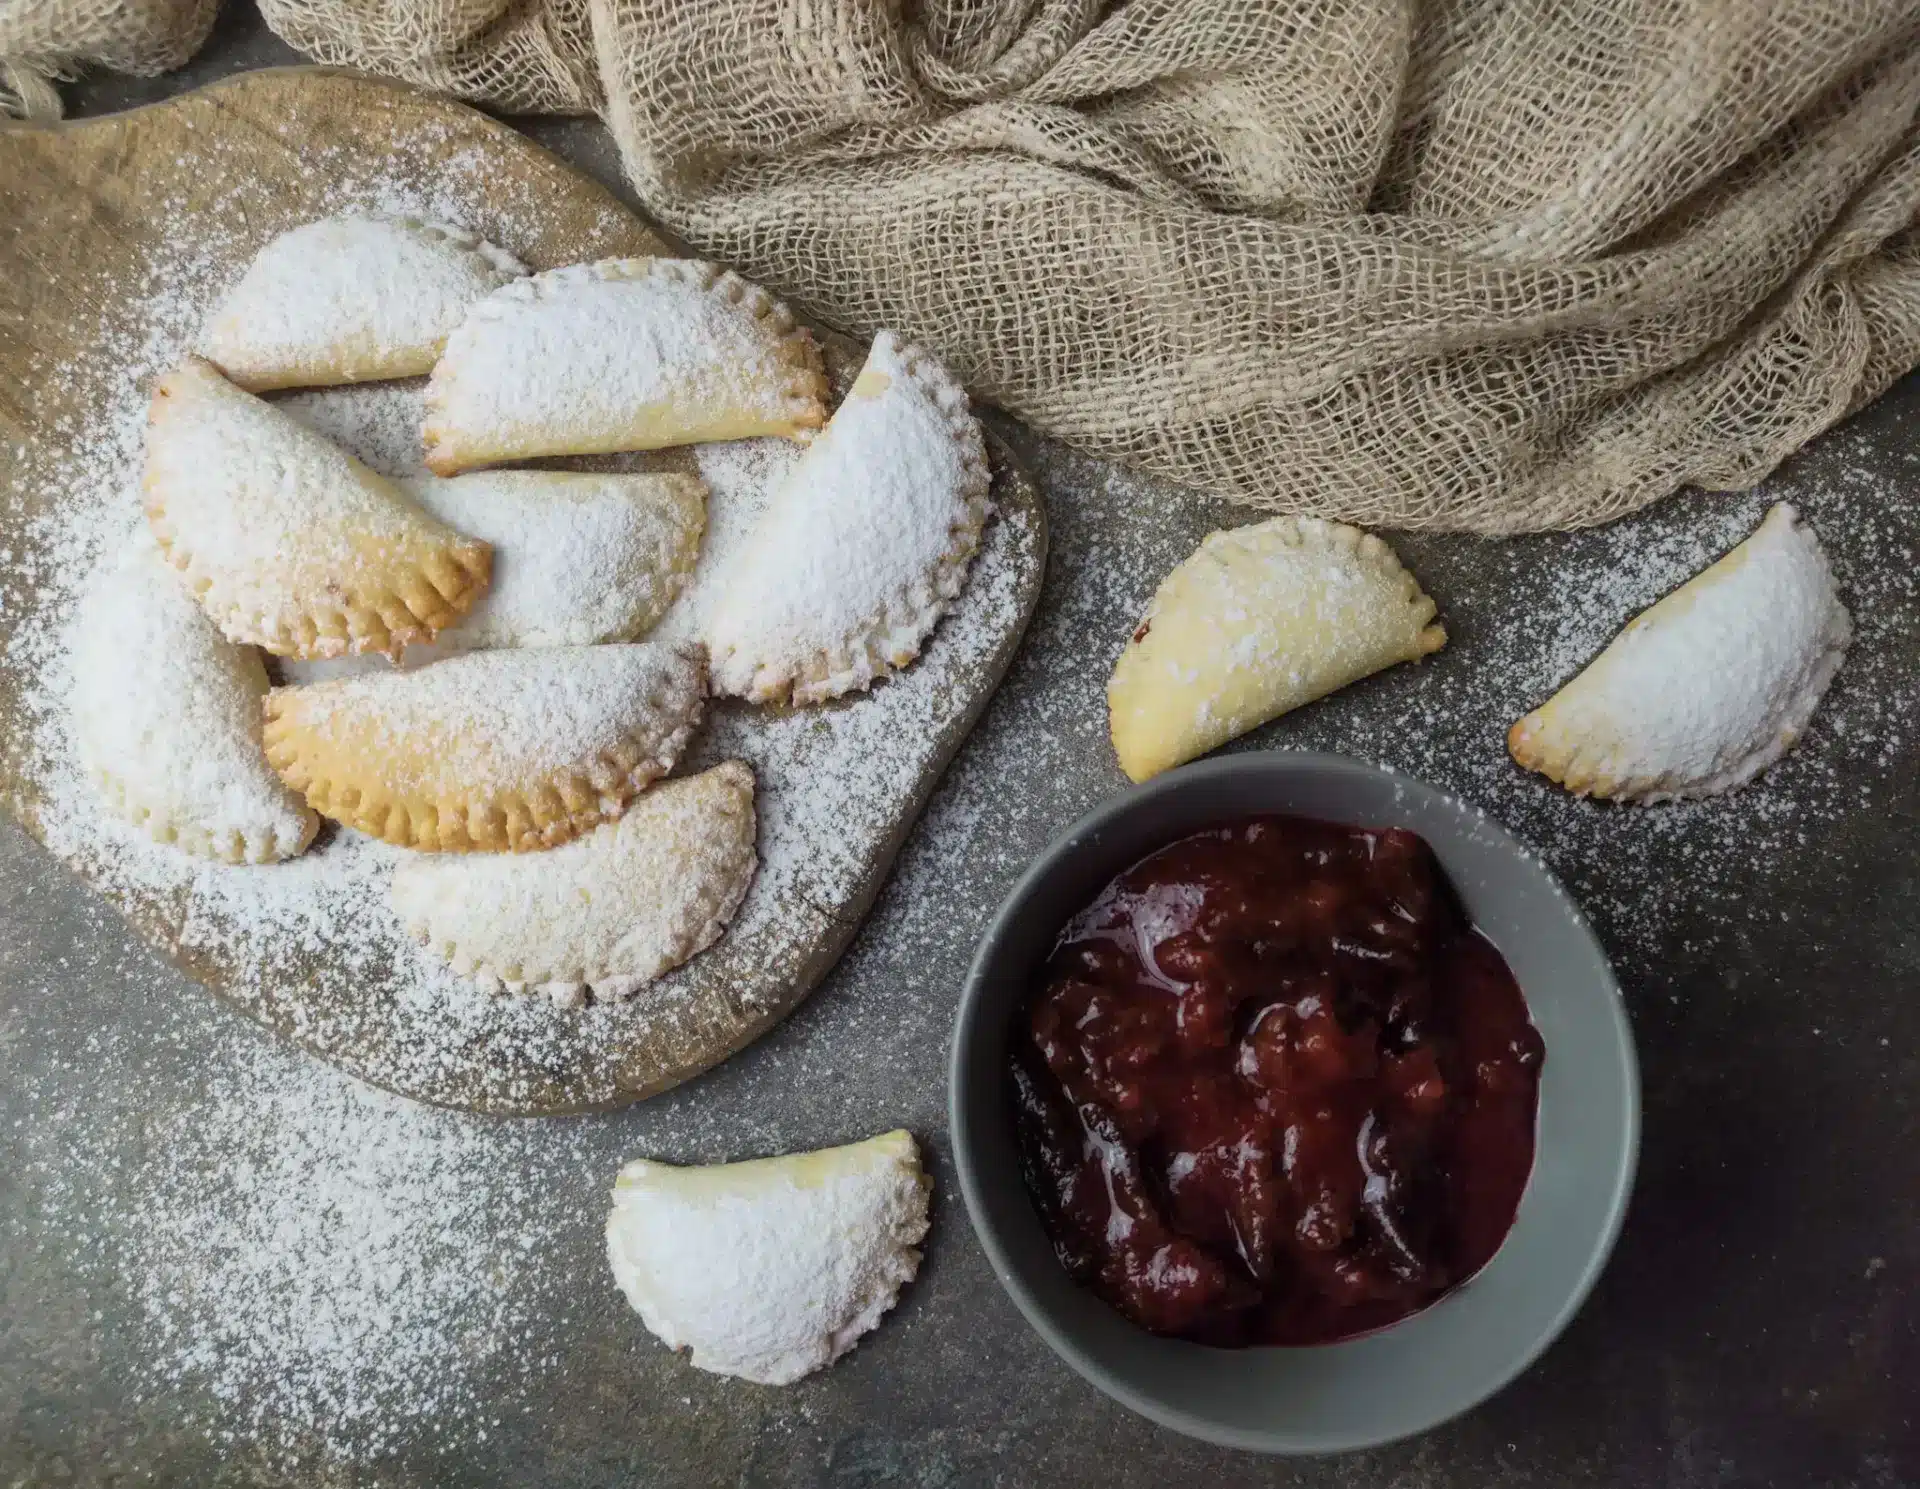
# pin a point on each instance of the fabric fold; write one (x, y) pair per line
(1494, 265)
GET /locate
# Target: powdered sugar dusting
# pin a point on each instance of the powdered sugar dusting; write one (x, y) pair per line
(740, 475)
(578, 558)
(611, 910)
(328, 1267)
(862, 545)
(311, 946)
(618, 355)
(350, 298)
(772, 1269)
(377, 423)
(1707, 688)
(491, 722)
(1523, 615)
(167, 719)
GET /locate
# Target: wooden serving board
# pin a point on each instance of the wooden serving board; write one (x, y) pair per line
(116, 234)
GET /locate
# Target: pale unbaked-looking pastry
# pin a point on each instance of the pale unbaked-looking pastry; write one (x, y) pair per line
(492, 750)
(607, 913)
(577, 558)
(166, 715)
(352, 299)
(772, 1269)
(1707, 688)
(1257, 621)
(862, 546)
(288, 541)
(624, 354)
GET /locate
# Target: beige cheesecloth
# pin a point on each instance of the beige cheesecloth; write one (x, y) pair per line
(41, 40)
(1485, 264)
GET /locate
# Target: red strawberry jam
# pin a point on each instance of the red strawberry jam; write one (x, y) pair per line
(1273, 1088)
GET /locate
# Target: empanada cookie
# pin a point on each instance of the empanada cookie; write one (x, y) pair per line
(864, 544)
(288, 541)
(624, 354)
(577, 559)
(496, 749)
(608, 912)
(1257, 621)
(771, 1269)
(352, 299)
(1707, 688)
(166, 715)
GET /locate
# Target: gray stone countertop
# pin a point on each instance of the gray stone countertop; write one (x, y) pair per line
(222, 1263)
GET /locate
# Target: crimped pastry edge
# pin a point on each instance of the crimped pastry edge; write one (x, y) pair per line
(276, 376)
(596, 789)
(805, 391)
(574, 986)
(892, 639)
(386, 621)
(1376, 552)
(1584, 771)
(163, 826)
(1300, 532)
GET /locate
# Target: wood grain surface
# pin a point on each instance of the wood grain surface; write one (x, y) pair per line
(90, 211)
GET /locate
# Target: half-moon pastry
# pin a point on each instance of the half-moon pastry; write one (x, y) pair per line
(577, 558)
(1707, 688)
(352, 299)
(288, 541)
(495, 749)
(166, 715)
(624, 354)
(863, 545)
(771, 1269)
(1257, 621)
(608, 912)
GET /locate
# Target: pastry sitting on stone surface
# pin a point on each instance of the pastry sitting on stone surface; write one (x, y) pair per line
(863, 545)
(605, 914)
(517, 750)
(577, 559)
(1707, 688)
(166, 716)
(624, 354)
(1257, 621)
(289, 542)
(352, 299)
(771, 1269)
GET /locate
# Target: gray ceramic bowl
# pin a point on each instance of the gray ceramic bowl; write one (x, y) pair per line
(1438, 1363)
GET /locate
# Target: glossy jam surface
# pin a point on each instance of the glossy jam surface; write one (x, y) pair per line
(1272, 1088)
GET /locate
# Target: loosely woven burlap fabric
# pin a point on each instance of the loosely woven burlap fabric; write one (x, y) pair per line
(1486, 264)
(41, 40)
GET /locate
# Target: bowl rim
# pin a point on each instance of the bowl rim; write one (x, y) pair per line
(968, 1035)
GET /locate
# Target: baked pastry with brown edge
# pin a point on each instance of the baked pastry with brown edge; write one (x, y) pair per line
(288, 542)
(865, 543)
(1706, 689)
(604, 915)
(351, 299)
(1256, 621)
(623, 354)
(493, 750)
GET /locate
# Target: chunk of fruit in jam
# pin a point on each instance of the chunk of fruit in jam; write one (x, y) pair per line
(1273, 1088)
